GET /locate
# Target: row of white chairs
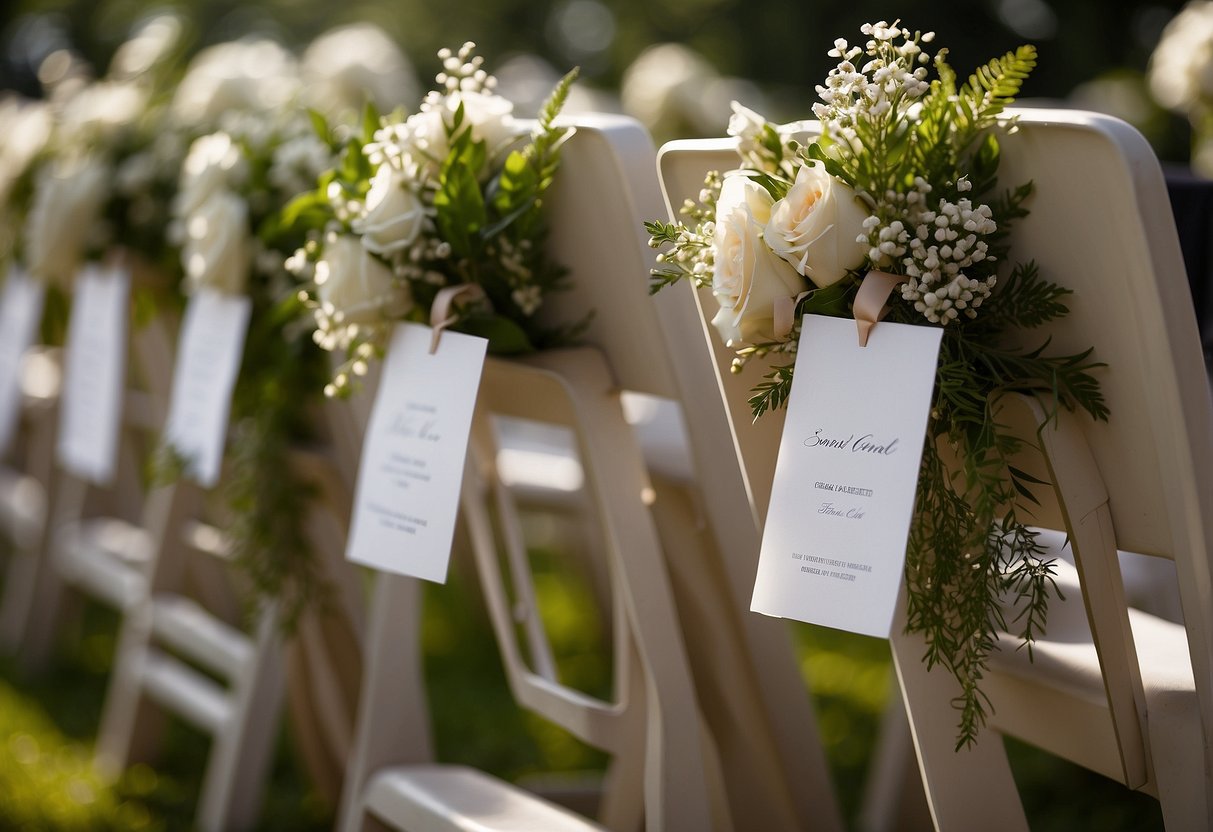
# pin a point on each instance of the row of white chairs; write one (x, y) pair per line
(710, 725)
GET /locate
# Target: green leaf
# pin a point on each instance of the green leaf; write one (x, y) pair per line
(832, 300)
(321, 126)
(370, 122)
(504, 336)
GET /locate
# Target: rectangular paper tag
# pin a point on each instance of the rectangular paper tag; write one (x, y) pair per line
(834, 544)
(208, 361)
(20, 315)
(94, 373)
(409, 480)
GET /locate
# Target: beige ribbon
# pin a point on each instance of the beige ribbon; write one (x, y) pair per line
(442, 313)
(785, 315)
(871, 303)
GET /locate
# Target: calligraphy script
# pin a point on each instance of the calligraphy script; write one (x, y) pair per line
(867, 444)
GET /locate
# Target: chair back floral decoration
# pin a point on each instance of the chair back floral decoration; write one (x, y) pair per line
(902, 181)
(228, 214)
(102, 183)
(449, 197)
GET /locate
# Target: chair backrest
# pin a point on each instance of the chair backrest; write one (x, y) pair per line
(761, 720)
(1100, 224)
(774, 770)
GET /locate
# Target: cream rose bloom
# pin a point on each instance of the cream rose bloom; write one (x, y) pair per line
(354, 287)
(214, 164)
(816, 227)
(748, 277)
(394, 213)
(251, 75)
(218, 250)
(490, 118)
(66, 209)
(346, 66)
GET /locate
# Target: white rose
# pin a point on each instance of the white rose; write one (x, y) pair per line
(748, 277)
(254, 75)
(346, 66)
(394, 213)
(354, 287)
(816, 227)
(66, 209)
(218, 248)
(213, 164)
(488, 116)
(102, 108)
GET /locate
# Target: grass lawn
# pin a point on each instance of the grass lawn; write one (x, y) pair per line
(47, 725)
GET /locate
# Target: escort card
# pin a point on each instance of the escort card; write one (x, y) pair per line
(93, 373)
(208, 361)
(834, 543)
(409, 480)
(20, 314)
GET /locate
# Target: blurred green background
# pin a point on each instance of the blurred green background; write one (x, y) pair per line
(1091, 51)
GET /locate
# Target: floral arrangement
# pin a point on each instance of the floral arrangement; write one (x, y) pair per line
(1181, 75)
(450, 196)
(105, 175)
(233, 185)
(902, 180)
(227, 221)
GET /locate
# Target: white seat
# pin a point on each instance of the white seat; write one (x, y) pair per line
(423, 798)
(1143, 483)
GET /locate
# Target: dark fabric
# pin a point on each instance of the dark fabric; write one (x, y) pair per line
(1192, 204)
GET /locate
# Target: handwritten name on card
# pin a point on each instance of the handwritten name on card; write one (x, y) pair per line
(20, 314)
(411, 473)
(834, 544)
(208, 360)
(94, 373)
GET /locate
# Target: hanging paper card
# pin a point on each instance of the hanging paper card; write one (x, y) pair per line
(93, 374)
(834, 543)
(20, 314)
(208, 360)
(412, 459)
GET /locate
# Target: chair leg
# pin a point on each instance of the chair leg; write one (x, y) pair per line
(237, 766)
(131, 724)
(969, 789)
(16, 606)
(1180, 771)
(47, 605)
(893, 800)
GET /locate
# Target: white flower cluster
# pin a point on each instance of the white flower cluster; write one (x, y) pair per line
(934, 242)
(1181, 68)
(418, 145)
(893, 73)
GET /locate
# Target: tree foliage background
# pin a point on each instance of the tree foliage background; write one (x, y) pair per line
(781, 45)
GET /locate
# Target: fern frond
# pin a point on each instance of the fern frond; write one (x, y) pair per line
(993, 87)
(773, 393)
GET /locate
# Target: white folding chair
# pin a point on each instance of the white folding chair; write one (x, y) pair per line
(604, 191)
(1118, 691)
(183, 650)
(94, 544)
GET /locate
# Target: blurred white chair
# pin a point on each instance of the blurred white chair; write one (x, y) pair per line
(760, 760)
(184, 650)
(1119, 691)
(94, 543)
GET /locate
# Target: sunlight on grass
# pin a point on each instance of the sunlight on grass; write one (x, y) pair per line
(46, 779)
